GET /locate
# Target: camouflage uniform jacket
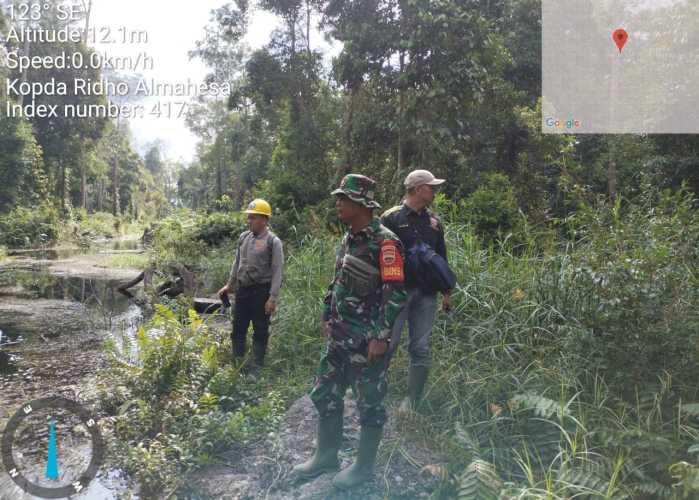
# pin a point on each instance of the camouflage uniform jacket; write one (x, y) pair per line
(362, 304)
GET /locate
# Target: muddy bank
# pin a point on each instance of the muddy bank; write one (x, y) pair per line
(62, 366)
(55, 316)
(58, 314)
(262, 470)
(44, 318)
(79, 266)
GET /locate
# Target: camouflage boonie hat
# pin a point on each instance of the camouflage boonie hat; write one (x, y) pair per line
(358, 188)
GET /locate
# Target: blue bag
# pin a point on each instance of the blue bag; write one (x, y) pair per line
(430, 268)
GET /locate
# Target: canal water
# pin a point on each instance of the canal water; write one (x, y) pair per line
(55, 315)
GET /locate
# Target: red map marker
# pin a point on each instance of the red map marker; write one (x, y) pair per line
(620, 37)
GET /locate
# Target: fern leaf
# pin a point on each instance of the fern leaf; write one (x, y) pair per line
(464, 438)
(479, 482)
(542, 406)
(653, 489)
(691, 409)
(585, 483)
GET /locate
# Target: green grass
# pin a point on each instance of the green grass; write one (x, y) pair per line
(125, 261)
(83, 229)
(569, 369)
(566, 369)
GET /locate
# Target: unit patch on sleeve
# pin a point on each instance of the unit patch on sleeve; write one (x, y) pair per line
(391, 262)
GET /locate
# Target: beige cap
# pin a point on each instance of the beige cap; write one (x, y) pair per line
(419, 177)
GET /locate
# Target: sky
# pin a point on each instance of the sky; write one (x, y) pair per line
(173, 27)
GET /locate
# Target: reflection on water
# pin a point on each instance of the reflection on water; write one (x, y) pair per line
(36, 306)
(51, 312)
(9, 337)
(126, 245)
(42, 285)
(123, 336)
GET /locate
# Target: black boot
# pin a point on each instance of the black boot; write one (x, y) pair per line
(238, 350)
(259, 349)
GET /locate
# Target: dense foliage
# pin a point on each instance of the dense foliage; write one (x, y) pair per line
(450, 85)
(566, 368)
(59, 163)
(25, 227)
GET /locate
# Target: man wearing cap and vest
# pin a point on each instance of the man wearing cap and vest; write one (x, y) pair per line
(361, 305)
(413, 222)
(255, 278)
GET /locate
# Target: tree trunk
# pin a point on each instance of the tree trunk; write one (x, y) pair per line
(400, 167)
(88, 10)
(308, 26)
(25, 52)
(83, 188)
(292, 32)
(349, 129)
(61, 186)
(102, 195)
(219, 176)
(115, 187)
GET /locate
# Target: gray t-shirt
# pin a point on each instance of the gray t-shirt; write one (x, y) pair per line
(259, 259)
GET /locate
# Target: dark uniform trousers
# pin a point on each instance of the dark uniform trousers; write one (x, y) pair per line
(250, 306)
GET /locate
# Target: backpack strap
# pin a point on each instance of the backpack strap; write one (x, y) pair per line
(270, 244)
(242, 237)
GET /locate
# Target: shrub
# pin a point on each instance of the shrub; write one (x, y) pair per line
(186, 236)
(84, 226)
(28, 227)
(636, 266)
(217, 227)
(492, 208)
(183, 402)
(566, 364)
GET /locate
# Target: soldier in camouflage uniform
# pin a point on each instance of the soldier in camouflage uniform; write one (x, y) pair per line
(361, 305)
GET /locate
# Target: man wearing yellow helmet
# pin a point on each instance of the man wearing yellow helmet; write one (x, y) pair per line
(255, 279)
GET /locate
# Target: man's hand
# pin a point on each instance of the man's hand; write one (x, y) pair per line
(446, 303)
(270, 306)
(377, 348)
(223, 291)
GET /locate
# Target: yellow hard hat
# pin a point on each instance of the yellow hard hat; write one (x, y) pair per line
(260, 207)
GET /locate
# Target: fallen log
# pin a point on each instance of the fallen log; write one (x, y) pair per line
(206, 306)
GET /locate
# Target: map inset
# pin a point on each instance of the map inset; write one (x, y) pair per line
(620, 66)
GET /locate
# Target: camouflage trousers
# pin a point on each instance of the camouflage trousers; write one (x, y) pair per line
(342, 367)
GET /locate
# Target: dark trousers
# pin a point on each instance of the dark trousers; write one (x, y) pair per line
(250, 306)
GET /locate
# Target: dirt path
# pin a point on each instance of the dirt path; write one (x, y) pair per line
(261, 471)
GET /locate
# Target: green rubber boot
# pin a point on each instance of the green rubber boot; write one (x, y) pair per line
(417, 378)
(325, 457)
(362, 470)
